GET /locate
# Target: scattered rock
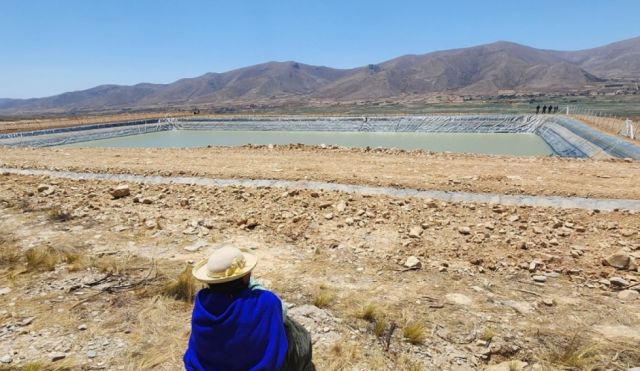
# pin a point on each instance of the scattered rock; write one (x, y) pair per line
(43, 187)
(521, 307)
(4, 291)
(621, 260)
(27, 321)
(151, 224)
(196, 246)
(539, 278)
(413, 263)
(190, 231)
(318, 322)
(82, 327)
(618, 332)
(459, 299)
(508, 366)
(328, 216)
(464, 230)
(58, 356)
(627, 232)
(514, 218)
(618, 282)
(120, 191)
(91, 354)
(628, 295)
(6, 359)
(341, 206)
(548, 302)
(533, 265)
(251, 223)
(430, 204)
(415, 231)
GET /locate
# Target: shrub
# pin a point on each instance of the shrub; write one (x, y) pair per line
(488, 333)
(414, 332)
(369, 313)
(42, 258)
(57, 214)
(379, 327)
(323, 299)
(182, 288)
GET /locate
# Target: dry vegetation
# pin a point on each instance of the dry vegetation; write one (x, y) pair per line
(414, 332)
(182, 287)
(108, 284)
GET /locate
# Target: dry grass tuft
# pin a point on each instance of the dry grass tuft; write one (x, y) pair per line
(369, 313)
(33, 366)
(413, 332)
(9, 253)
(345, 355)
(42, 259)
(151, 348)
(488, 334)
(106, 264)
(407, 364)
(22, 203)
(182, 288)
(336, 349)
(45, 258)
(514, 366)
(57, 214)
(64, 365)
(323, 298)
(575, 354)
(379, 327)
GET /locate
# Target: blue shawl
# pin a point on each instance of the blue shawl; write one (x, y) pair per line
(241, 333)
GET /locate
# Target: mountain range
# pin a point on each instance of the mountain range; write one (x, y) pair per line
(483, 70)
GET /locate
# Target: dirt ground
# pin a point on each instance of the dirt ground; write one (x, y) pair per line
(88, 281)
(415, 169)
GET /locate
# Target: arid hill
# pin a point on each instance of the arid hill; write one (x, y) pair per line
(480, 70)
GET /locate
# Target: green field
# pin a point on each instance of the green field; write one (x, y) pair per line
(622, 106)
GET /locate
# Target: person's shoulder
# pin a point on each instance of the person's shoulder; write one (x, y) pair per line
(267, 296)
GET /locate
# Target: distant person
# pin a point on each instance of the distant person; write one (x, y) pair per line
(538, 109)
(544, 109)
(555, 109)
(238, 324)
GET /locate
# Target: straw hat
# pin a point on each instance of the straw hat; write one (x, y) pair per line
(225, 264)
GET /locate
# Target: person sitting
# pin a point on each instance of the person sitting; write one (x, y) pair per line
(239, 325)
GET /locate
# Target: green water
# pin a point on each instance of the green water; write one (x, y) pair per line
(499, 144)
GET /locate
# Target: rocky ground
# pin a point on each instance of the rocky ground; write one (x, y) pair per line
(385, 167)
(88, 269)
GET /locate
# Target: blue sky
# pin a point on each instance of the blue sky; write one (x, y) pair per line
(51, 46)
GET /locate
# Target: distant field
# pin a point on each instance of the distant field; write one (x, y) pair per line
(619, 106)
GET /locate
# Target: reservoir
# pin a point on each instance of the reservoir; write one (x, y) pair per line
(520, 144)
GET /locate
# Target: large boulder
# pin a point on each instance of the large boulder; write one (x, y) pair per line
(120, 191)
(621, 260)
